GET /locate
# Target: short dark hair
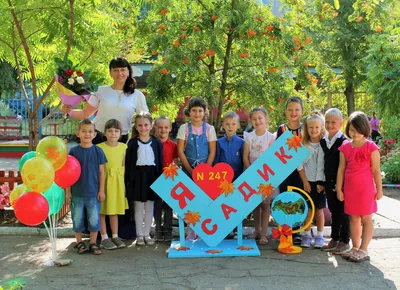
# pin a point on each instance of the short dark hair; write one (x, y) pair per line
(86, 122)
(130, 83)
(360, 122)
(112, 123)
(294, 100)
(195, 102)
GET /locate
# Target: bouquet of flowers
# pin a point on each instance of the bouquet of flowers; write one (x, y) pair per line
(4, 196)
(74, 86)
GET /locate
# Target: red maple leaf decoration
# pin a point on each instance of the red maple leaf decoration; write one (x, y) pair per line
(226, 187)
(192, 218)
(294, 142)
(266, 190)
(214, 252)
(245, 248)
(284, 231)
(182, 249)
(170, 171)
(52, 153)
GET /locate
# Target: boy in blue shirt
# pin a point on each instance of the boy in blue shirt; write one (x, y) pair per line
(230, 147)
(88, 192)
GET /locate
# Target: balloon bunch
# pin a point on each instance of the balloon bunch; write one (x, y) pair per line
(44, 174)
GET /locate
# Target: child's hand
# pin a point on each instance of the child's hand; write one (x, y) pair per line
(101, 196)
(379, 195)
(320, 188)
(340, 195)
(307, 187)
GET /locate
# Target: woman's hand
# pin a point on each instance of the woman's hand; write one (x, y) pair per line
(66, 109)
(307, 187)
(320, 188)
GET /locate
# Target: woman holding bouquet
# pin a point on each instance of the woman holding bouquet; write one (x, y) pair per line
(117, 101)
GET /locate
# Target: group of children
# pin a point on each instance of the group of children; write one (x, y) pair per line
(343, 173)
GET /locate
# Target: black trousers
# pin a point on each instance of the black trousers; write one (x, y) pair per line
(159, 206)
(340, 221)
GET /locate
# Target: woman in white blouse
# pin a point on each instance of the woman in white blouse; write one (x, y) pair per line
(117, 101)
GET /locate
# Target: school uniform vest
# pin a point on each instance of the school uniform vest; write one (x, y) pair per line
(331, 158)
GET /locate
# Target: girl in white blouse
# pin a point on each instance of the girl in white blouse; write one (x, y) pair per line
(117, 101)
(143, 165)
(311, 172)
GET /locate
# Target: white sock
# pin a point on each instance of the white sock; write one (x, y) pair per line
(114, 236)
(104, 237)
(307, 233)
(148, 217)
(139, 207)
(320, 234)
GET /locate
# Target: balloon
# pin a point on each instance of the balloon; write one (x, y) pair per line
(54, 150)
(69, 173)
(55, 197)
(17, 192)
(26, 157)
(31, 208)
(38, 174)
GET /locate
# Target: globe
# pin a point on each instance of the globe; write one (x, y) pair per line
(289, 208)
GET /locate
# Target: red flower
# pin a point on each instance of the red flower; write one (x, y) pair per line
(361, 156)
(79, 73)
(69, 72)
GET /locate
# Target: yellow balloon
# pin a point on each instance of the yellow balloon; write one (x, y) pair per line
(54, 150)
(38, 174)
(16, 192)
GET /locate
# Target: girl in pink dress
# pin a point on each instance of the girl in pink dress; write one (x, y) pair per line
(359, 171)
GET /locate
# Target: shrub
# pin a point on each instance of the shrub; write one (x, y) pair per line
(391, 166)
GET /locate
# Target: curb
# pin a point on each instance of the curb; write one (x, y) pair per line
(68, 233)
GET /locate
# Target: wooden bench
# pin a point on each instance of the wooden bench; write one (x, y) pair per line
(10, 128)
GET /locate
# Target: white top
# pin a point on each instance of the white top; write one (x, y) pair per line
(258, 144)
(145, 154)
(329, 143)
(114, 104)
(314, 165)
(183, 132)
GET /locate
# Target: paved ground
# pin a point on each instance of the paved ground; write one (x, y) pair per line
(22, 258)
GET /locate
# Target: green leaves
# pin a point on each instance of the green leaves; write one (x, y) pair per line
(336, 3)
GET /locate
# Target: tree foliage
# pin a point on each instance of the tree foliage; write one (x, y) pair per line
(34, 33)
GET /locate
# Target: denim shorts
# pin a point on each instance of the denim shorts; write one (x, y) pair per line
(92, 205)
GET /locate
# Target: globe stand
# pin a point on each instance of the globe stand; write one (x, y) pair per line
(285, 232)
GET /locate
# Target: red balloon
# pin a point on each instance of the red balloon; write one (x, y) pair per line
(69, 173)
(31, 208)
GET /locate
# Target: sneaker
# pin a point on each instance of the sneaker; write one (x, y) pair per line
(149, 241)
(118, 242)
(191, 236)
(319, 242)
(108, 244)
(158, 236)
(330, 246)
(297, 240)
(306, 241)
(140, 241)
(341, 248)
(168, 237)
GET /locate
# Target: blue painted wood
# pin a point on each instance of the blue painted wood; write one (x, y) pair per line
(226, 248)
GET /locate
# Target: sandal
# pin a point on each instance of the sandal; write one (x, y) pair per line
(81, 247)
(254, 236)
(348, 254)
(360, 256)
(263, 240)
(94, 249)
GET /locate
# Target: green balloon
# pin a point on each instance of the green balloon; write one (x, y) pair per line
(26, 157)
(55, 197)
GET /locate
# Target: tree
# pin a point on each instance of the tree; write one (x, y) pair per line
(340, 32)
(8, 83)
(232, 53)
(34, 33)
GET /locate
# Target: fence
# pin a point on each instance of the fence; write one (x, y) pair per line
(13, 178)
